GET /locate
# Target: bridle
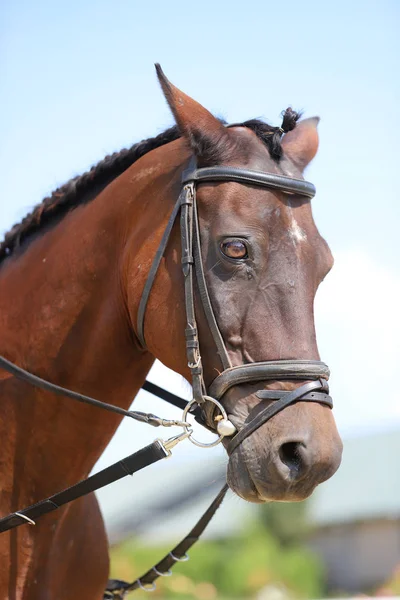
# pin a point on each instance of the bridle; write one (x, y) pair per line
(315, 390)
(314, 373)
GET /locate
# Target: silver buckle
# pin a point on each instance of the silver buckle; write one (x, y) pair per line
(167, 445)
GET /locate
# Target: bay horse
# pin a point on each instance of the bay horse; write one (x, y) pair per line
(72, 275)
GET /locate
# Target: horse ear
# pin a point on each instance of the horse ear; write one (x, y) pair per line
(301, 144)
(206, 135)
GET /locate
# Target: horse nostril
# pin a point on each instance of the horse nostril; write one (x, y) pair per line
(292, 455)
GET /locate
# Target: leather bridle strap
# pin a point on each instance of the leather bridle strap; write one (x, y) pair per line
(289, 185)
(281, 370)
(43, 384)
(187, 260)
(286, 398)
(153, 271)
(203, 292)
(191, 256)
(192, 260)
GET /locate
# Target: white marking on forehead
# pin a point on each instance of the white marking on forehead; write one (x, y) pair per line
(295, 232)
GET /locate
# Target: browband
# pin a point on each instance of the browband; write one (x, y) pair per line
(289, 185)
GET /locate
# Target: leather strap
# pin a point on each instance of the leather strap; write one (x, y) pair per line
(299, 393)
(288, 185)
(169, 397)
(279, 370)
(153, 272)
(204, 295)
(191, 332)
(118, 589)
(127, 466)
(320, 397)
(38, 382)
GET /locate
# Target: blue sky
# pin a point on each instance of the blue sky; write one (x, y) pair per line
(77, 82)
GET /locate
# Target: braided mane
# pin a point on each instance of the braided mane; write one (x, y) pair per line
(77, 190)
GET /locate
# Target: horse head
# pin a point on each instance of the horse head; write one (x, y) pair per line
(263, 260)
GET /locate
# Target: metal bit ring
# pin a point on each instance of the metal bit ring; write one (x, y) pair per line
(223, 412)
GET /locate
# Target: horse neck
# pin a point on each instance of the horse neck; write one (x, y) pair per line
(65, 317)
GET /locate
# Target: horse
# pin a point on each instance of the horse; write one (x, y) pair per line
(72, 276)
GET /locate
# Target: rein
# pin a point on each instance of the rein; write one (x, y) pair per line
(314, 373)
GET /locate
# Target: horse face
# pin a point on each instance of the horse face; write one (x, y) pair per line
(263, 260)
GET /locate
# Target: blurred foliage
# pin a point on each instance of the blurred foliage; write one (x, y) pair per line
(267, 562)
(287, 521)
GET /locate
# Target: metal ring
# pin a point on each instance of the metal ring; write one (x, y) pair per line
(223, 412)
(166, 574)
(26, 518)
(183, 558)
(147, 589)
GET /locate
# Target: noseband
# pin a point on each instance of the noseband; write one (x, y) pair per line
(315, 390)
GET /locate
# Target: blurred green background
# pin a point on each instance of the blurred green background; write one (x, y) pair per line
(271, 561)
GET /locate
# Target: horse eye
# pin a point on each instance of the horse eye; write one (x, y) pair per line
(234, 249)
